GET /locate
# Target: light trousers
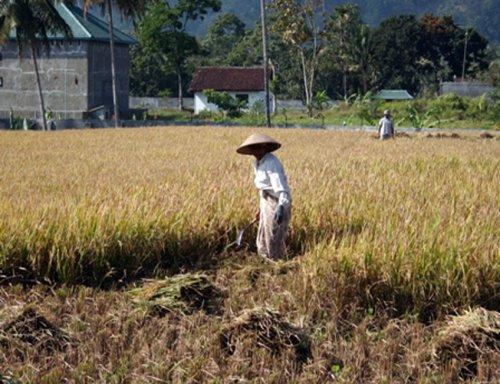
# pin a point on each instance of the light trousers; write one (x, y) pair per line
(271, 236)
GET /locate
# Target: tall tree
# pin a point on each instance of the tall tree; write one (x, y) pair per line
(440, 34)
(163, 32)
(361, 50)
(343, 29)
(400, 52)
(222, 36)
(128, 8)
(470, 53)
(301, 26)
(32, 22)
(448, 45)
(148, 74)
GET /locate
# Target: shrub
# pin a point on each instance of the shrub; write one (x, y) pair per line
(366, 108)
(477, 107)
(230, 106)
(205, 115)
(16, 122)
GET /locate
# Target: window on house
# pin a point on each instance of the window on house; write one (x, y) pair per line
(1, 82)
(1, 57)
(242, 97)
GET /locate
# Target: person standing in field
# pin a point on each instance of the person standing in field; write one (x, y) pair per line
(386, 126)
(275, 198)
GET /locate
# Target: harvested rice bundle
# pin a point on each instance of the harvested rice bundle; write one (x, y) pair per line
(486, 135)
(183, 293)
(465, 339)
(440, 135)
(269, 330)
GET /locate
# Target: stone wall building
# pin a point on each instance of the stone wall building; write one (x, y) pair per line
(75, 75)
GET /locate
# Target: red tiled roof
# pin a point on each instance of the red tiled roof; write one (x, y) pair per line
(228, 79)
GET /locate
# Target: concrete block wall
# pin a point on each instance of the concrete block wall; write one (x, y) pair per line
(100, 90)
(75, 77)
(159, 102)
(63, 75)
(465, 88)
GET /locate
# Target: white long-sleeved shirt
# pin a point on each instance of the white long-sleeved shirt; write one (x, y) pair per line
(386, 126)
(270, 177)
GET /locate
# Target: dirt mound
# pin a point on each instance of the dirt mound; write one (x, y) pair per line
(32, 328)
(486, 135)
(185, 293)
(443, 136)
(465, 339)
(268, 329)
(403, 134)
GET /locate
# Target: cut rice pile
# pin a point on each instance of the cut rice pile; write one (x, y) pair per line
(185, 293)
(464, 340)
(443, 136)
(268, 329)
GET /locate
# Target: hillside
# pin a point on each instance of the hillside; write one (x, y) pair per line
(484, 15)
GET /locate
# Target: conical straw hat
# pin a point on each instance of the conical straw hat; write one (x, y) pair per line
(256, 139)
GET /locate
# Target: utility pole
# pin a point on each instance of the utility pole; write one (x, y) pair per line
(265, 59)
(465, 53)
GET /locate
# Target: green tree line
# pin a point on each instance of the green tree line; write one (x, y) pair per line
(311, 49)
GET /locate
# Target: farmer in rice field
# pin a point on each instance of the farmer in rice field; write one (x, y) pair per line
(386, 126)
(275, 198)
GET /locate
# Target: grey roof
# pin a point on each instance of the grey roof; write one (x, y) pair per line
(394, 94)
(87, 27)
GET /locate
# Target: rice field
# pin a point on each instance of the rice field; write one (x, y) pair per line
(387, 240)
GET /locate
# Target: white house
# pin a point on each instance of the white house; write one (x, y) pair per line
(244, 83)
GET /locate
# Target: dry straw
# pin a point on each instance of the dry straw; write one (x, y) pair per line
(413, 223)
(467, 338)
(184, 293)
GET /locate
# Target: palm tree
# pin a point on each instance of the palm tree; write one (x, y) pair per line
(361, 53)
(32, 22)
(128, 8)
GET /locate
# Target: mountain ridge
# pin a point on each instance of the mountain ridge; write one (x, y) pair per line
(483, 15)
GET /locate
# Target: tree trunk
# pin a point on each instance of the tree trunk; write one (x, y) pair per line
(181, 93)
(465, 55)
(265, 60)
(306, 83)
(312, 74)
(113, 63)
(39, 85)
(344, 84)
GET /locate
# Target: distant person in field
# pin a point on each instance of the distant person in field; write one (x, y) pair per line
(275, 198)
(386, 126)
